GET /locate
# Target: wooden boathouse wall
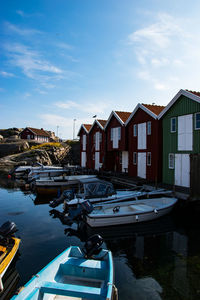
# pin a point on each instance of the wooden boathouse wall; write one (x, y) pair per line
(194, 176)
(113, 159)
(153, 146)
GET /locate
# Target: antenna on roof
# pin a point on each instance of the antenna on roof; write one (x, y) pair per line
(153, 103)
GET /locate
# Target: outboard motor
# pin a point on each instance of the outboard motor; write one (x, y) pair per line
(93, 246)
(8, 229)
(66, 195)
(87, 207)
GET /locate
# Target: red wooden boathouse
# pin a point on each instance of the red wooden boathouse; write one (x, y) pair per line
(117, 149)
(97, 144)
(39, 135)
(84, 145)
(144, 132)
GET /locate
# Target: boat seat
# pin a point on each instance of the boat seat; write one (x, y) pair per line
(86, 263)
(71, 290)
(83, 267)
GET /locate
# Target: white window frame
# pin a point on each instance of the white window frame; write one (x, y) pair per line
(148, 156)
(149, 128)
(171, 124)
(135, 130)
(196, 128)
(171, 160)
(135, 158)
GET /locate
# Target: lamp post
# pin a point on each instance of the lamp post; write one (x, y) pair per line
(74, 129)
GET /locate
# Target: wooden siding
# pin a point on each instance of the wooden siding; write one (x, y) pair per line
(153, 145)
(87, 150)
(122, 142)
(102, 145)
(183, 106)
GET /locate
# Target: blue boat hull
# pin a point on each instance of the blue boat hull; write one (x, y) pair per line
(73, 276)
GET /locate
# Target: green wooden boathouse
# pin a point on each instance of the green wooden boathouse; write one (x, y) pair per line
(181, 137)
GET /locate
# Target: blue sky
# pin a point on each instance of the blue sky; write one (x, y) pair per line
(62, 60)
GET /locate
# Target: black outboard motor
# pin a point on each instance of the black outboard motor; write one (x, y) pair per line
(92, 246)
(66, 195)
(8, 229)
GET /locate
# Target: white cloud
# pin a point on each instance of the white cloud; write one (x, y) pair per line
(33, 65)
(20, 31)
(6, 74)
(67, 105)
(167, 53)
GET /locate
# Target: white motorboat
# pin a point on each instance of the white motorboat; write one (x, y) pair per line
(56, 185)
(129, 212)
(23, 171)
(96, 190)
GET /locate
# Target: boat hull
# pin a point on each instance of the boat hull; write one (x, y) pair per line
(72, 275)
(112, 218)
(5, 263)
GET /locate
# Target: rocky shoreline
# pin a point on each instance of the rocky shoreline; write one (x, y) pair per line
(16, 152)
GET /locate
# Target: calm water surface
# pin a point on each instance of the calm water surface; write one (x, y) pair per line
(154, 260)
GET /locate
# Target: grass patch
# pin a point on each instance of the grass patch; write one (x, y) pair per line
(46, 145)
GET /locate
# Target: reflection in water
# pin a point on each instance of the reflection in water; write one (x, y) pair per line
(153, 260)
(10, 280)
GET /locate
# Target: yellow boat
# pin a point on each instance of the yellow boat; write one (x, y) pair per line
(8, 248)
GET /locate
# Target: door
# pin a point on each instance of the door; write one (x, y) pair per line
(142, 136)
(83, 159)
(97, 161)
(125, 161)
(182, 170)
(185, 133)
(141, 168)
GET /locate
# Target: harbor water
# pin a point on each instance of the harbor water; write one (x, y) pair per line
(154, 260)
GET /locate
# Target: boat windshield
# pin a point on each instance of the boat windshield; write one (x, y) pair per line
(100, 189)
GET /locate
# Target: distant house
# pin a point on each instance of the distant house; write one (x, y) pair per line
(116, 151)
(181, 137)
(144, 133)
(84, 145)
(97, 144)
(39, 135)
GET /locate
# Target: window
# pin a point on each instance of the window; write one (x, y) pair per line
(173, 124)
(111, 134)
(149, 128)
(197, 121)
(171, 160)
(148, 158)
(135, 158)
(119, 133)
(135, 130)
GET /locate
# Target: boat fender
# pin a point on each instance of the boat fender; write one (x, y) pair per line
(116, 209)
(115, 291)
(155, 210)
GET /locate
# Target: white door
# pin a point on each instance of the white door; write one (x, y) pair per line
(124, 161)
(84, 142)
(182, 170)
(97, 141)
(115, 137)
(142, 136)
(83, 159)
(185, 133)
(141, 168)
(96, 160)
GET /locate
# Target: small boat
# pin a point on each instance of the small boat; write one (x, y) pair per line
(8, 248)
(23, 171)
(75, 274)
(127, 212)
(97, 190)
(54, 186)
